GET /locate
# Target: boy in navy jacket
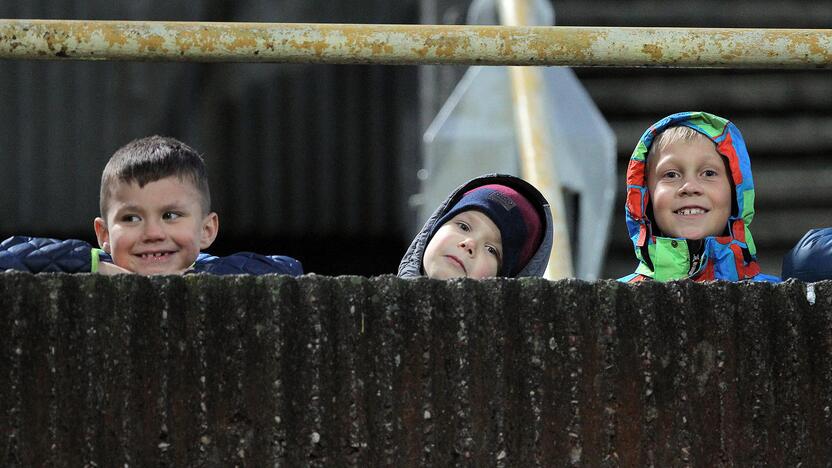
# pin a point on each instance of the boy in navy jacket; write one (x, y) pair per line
(155, 219)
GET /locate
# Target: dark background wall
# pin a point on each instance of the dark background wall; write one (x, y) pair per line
(318, 162)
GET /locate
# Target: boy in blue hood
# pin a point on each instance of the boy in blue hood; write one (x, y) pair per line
(690, 201)
(493, 225)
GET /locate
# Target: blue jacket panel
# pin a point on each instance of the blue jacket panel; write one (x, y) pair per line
(247, 263)
(40, 255)
(811, 259)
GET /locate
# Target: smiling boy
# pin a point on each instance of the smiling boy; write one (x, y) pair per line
(155, 207)
(493, 225)
(690, 201)
(155, 219)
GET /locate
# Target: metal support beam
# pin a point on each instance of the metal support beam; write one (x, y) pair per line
(414, 44)
(537, 154)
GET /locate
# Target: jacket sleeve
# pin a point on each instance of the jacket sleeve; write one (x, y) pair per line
(36, 255)
(247, 263)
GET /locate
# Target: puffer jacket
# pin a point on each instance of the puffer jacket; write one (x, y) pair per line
(732, 257)
(811, 259)
(411, 264)
(39, 255)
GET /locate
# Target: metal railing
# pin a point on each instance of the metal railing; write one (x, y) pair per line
(415, 44)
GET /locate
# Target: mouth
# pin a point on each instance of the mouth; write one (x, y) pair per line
(155, 256)
(458, 263)
(691, 211)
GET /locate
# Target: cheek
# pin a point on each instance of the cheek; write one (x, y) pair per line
(486, 268)
(725, 198)
(119, 240)
(660, 197)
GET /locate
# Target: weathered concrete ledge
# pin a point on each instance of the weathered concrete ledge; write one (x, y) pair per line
(259, 371)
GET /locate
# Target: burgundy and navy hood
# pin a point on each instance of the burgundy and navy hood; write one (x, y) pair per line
(411, 264)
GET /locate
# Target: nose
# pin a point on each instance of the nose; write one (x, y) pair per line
(153, 231)
(690, 186)
(469, 245)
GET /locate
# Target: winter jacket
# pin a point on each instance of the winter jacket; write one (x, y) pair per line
(811, 259)
(411, 264)
(731, 257)
(37, 255)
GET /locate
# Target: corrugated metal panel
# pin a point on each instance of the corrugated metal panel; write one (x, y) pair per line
(291, 150)
(318, 371)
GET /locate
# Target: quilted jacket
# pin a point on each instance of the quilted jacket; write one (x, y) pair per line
(37, 255)
(811, 259)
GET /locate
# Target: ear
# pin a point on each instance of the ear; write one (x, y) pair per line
(102, 233)
(210, 228)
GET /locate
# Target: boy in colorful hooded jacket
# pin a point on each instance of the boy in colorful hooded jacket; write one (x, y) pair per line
(519, 212)
(690, 203)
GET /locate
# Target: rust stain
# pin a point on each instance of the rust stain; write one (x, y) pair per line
(422, 52)
(654, 51)
(245, 42)
(579, 46)
(379, 47)
(204, 39)
(112, 36)
(318, 47)
(507, 43)
(151, 43)
(359, 42)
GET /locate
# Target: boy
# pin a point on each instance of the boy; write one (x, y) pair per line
(155, 219)
(494, 225)
(690, 200)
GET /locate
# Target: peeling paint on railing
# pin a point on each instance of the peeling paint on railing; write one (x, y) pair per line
(258, 371)
(414, 44)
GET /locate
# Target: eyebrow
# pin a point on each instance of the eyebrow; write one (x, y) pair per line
(134, 207)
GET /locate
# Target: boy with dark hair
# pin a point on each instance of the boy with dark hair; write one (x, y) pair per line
(690, 201)
(155, 219)
(494, 225)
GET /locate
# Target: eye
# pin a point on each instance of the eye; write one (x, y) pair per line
(130, 218)
(710, 173)
(671, 175)
(464, 226)
(171, 215)
(492, 250)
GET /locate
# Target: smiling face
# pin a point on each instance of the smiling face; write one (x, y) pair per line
(689, 189)
(156, 229)
(469, 245)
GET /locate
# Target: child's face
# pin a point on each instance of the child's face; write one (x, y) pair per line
(155, 229)
(689, 189)
(469, 245)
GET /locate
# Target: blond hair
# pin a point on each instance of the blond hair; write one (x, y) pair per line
(673, 135)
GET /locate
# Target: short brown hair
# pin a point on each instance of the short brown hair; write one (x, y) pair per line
(150, 159)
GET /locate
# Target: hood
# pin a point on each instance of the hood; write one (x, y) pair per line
(411, 264)
(731, 257)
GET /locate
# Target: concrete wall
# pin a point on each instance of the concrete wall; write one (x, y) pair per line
(259, 371)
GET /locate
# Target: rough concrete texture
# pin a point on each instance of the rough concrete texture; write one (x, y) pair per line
(320, 371)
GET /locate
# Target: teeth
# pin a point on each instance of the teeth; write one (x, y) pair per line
(149, 255)
(690, 211)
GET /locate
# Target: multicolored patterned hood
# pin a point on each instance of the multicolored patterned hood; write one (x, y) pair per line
(731, 257)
